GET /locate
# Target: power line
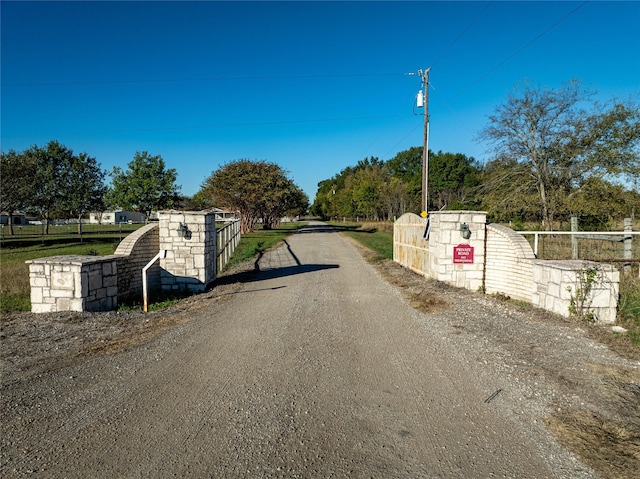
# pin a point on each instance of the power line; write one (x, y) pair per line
(382, 130)
(223, 125)
(203, 79)
(520, 50)
(468, 27)
(474, 83)
(403, 138)
(438, 58)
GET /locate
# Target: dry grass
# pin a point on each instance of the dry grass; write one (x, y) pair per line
(386, 226)
(608, 440)
(14, 279)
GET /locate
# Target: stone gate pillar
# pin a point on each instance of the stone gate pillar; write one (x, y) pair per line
(456, 247)
(189, 239)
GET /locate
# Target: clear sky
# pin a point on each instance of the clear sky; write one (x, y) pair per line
(311, 86)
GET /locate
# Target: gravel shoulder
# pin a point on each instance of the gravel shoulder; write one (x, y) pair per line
(567, 403)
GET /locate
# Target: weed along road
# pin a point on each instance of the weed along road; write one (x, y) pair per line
(314, 367)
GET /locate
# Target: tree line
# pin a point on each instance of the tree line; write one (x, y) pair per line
(555, 154)
(52, 182)
(378, 190)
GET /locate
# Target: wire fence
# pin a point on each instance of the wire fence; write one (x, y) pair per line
(18, 234)
(620, 248)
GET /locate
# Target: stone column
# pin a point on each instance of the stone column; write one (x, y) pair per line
(189, 238)
(454, 259)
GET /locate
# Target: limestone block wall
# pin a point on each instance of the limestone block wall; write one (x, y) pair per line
(445, 236)
(73, 283)
(509, 267)
(410, 247)
(91, 283)
(503, 262)
(190, 241)
(133, 254)
(557, 282)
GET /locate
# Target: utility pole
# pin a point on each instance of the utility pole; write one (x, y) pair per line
(424, 74)
(422, 100)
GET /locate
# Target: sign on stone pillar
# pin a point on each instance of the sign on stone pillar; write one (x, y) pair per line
(463, 254)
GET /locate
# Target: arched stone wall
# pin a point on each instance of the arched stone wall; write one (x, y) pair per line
(509, 267)
(132, 254)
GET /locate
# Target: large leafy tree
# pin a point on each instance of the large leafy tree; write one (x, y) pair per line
(85, 179)
(259, 190)
(17, 187)
(452, 180)
(355, 191)
(587, 200)
(406, 167)
(64, 184)
(145, 186)
(367, 190)
(558, 144)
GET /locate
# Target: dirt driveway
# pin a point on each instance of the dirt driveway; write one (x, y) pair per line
(316, 367)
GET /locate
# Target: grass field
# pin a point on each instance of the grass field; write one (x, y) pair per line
(377, 236)
(31, 234)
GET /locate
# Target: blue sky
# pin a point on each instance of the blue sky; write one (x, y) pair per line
(311, 86)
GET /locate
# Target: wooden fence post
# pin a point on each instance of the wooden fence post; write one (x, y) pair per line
(627, 245)
(574, 238)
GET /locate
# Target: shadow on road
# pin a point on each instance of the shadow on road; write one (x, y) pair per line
(323, 228)
(259, 275)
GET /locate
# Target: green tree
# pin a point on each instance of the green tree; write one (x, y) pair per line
(407, 167)
(259, 190)
(368, 186)
(17, 188)
(503, 200)
(395, 198)
(197, 202)
(145, 186)
(452, 180)
(65, 185)
(85, 179)
(322, 202)
(561, 144)
(375, 189)
(334, 196)
(587, 200)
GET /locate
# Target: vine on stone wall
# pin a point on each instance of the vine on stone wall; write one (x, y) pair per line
(582, 298)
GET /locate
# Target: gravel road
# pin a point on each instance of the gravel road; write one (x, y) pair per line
(314, 367)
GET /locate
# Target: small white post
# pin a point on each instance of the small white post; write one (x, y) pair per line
(145, 301)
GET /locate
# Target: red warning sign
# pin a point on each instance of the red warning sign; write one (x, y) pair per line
(463, 254)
